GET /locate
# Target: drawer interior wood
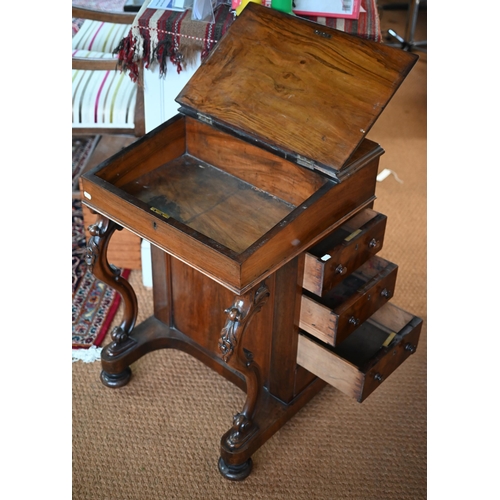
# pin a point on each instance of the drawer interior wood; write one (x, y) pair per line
(347, 231)
(335, 315)
(368, 356)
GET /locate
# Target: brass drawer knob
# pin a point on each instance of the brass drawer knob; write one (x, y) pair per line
(410, 347)
(353, 321)
(374, 243)
(378, 377)
(340, 269)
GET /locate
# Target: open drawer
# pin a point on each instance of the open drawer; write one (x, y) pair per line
(333, 317)
(368, 356)
(332, 259)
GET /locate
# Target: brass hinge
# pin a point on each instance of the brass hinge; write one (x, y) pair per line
(204, 118)
(305, 162)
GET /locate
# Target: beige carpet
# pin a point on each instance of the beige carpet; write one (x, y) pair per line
(158, 437)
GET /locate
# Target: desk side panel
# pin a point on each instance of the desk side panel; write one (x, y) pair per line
(198, 306)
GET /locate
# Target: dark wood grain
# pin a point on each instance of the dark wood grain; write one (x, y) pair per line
(173, 238)
(161, 145)
(335, 257)
(220, 206)
(250, 163)
(362, 362)
(104, 16)
(161, 264)
(94, 64)
(240, 243)
(327, 209)
(308, 93)
(286, 316)
(124, 249)
(336, 315)
(198, 310)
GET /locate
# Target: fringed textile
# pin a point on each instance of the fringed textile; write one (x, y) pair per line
(159, 36)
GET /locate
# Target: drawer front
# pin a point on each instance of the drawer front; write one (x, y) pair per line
(333, 317)
(365, 360)
(341, 253)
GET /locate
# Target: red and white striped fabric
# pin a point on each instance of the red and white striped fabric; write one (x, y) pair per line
(99, 36)
(104, 99)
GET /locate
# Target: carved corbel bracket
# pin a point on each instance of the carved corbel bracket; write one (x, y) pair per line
(96, 259)
(239, 316)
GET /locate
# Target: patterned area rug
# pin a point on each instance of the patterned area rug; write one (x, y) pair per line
(94, 303)
(82, 149)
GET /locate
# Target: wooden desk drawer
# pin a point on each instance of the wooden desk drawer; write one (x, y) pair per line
(333, 317)
(364, 360)
(335, 257)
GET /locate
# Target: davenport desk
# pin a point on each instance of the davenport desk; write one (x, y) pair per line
(258, 199)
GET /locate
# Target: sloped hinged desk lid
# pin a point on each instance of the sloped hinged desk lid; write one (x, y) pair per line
(306, 91)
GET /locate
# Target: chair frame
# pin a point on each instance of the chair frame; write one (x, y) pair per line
(91, 64)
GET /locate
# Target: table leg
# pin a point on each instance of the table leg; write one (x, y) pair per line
(96, 259)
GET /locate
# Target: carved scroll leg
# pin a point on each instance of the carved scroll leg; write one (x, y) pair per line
(97, 263)
(233, 353)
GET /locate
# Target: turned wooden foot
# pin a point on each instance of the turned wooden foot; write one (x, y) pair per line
(235, 472)
(116, 380)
